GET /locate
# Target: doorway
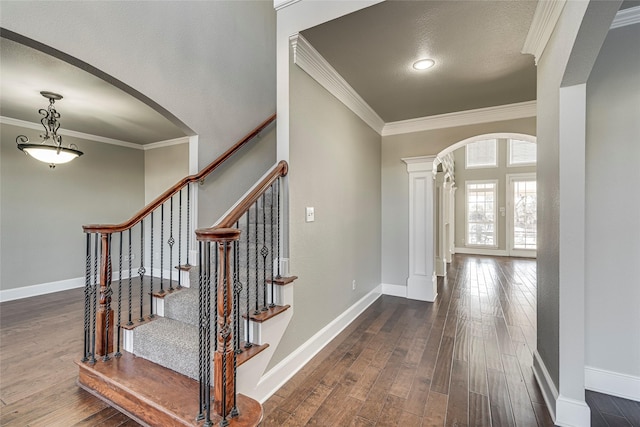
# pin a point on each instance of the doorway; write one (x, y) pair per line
(522, 215)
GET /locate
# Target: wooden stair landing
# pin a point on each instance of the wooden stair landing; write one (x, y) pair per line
(154, 395)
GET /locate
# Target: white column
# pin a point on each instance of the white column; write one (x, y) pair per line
(571, 408)
(452, 222)
(422, 283)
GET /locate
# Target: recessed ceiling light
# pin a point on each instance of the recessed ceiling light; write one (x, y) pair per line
(423, 64)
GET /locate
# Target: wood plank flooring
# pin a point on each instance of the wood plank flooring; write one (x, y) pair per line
(462, 361)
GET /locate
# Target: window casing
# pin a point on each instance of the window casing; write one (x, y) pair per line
(481, 154)
(481, 198)
(521, 153)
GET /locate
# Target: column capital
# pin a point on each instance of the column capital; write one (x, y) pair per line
(419, 164)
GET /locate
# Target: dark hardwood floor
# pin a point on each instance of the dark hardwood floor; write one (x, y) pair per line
(462, 361)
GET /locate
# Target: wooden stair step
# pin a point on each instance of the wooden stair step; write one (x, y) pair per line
(268, 314)
(154, 395)
(283, 280)
(248, 353)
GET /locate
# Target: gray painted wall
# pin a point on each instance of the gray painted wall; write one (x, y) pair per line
(395, 184)
(613, 206)
(211, 64)
(462, 175)
(163, 167)
(335, 167)
(43, 210)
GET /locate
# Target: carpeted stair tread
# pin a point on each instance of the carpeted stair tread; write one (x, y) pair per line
(182, 306)
(169, 343)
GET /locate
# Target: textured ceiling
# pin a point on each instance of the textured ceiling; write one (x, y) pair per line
(476, 46)
(90, 105)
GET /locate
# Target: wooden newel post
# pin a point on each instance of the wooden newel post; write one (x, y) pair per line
(224, 387)
(104, 315)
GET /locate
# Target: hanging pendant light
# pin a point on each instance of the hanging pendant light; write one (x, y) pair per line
(50, 149)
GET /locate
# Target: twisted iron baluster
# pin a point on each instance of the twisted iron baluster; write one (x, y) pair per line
(235, 315)
(264, 252)
(107, 298)
(271, 222)
(162, 248)
(130, 322)
(151, 267)
(94, 291)
(171, 241)
(201, 331)
(188, 221)
(247, 343)
(180, 240)
(118, 354)
(87, 308)
(257, 310)
(224, 422)
(141, 270)
(237, 286)
(208, 334)
(278, 227)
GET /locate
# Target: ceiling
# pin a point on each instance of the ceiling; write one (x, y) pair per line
(90, 104)
(476, 45)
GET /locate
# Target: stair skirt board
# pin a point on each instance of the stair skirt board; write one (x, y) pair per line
(137, 387)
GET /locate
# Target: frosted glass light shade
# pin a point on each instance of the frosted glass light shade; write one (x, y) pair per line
(50, 154)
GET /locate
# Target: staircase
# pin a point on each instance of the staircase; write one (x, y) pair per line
(190, 350)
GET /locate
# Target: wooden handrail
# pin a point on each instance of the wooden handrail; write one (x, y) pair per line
(114, 228)
(279, 170)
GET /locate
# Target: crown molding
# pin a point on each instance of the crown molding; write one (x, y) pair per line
(462, 118)
(314, 64)
(167, 143)
(625, 17)
(281, 4)
(72, 133)
(544, 21)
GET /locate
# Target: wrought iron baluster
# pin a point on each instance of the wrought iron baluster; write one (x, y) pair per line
(141, 270)
(201, 330)
(188, 221)
(279, 182)
(235, 315)
(247, 343)
(257, 284)
(107, 297)
(180, 240)
(171, 241)
(87, 307)
(118, 354)
(237, 288)
(264, 252)
(272, 304)
(151, 256)
(225, 331)
(162, 248)
(94, 297)
(130, 302)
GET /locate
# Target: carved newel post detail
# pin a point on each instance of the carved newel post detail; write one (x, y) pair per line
(223, 359)
(224, 386)
(104, 320)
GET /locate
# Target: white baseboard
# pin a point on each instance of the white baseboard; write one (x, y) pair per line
(481, 251)
(40, 289)
(283, 371)
(394, 290)
(613, 383)
(548, 388)
(572, 413)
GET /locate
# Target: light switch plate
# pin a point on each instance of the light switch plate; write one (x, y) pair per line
(310, 216)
